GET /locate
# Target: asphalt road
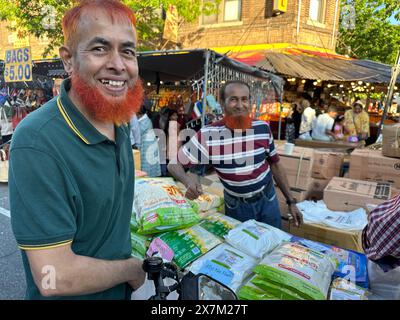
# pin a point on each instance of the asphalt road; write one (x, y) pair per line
(12, 276)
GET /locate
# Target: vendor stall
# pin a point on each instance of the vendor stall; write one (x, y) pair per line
(179, 77)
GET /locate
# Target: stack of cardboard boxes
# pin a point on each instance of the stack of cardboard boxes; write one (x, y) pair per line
(309, 172)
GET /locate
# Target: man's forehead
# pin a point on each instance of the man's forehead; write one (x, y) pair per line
(237, 88)
(97, 21)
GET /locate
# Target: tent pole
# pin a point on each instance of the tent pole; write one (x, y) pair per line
(203, 111)
(389, 96)
(280, 120)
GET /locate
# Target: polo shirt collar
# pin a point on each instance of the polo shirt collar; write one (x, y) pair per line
(76, 121)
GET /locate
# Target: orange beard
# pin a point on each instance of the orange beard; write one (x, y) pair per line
(238, 122)
(115, 110)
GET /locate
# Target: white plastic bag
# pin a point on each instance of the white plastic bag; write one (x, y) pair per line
(256, 238)
(225, 264)
(317, 212)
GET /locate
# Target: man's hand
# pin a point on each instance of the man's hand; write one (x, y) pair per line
(139, 275)
(194, 190)
(295, 215)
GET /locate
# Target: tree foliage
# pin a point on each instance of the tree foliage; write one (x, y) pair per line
(42, 18)
(366, 31)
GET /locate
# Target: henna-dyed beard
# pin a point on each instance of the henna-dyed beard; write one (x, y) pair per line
(238, 122)
(115, 110)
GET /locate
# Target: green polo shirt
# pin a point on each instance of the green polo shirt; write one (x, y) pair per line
(68, 183)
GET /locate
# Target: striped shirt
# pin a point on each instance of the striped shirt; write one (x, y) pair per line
(241, 158)
(381, 237)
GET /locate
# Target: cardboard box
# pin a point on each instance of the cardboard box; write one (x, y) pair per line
(306, 163)
(391, 140)
(340, 238)
(298, 194)
(342, 194)
(372, 165)
(136, 159)
(327, 164)
(314, 191)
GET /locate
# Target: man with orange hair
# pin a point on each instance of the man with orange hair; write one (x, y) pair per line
(71, 168)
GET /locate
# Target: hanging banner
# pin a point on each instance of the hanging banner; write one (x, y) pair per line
(171, 24)
(18, 65)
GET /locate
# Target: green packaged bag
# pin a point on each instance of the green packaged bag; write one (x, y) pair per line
(301, 270)
(189, 244)
(277, 291)
(160, 206)
(219, 224)
(251, 292)
(140, 243)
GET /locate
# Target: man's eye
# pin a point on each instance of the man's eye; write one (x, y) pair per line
(130, 52)
(99, 49)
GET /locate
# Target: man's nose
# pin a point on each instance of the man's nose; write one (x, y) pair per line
(116, 62)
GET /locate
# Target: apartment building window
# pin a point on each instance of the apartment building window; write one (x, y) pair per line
(232, 10)
(228, 11)
(317, 10)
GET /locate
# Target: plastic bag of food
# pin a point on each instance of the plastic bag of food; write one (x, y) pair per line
(225, 264)
(275, 290)
(219, 224)
(159, 206)
(351, 265)
(299, 269)
(256, 238)
(207, 201)
(342, 289)
(186, 245)
(249, 291)
(140, 243)
(138, 255)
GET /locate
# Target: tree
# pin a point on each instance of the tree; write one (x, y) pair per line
(366, 32)
(42, 18)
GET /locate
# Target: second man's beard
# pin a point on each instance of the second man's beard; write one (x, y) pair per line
(238, 122)
(116, 110)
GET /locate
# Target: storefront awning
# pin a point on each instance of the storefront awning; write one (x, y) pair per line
(315, 65)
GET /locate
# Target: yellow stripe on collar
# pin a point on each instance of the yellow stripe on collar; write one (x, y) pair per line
(69, 121)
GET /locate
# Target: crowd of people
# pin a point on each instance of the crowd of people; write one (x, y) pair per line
(308, 122)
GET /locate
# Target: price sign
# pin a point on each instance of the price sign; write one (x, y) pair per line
(18, 65)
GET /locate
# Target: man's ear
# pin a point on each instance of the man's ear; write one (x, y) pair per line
(66, 57)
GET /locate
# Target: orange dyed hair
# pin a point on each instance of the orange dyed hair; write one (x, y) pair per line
(113, 8)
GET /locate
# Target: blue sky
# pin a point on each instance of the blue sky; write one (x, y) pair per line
(394, 21)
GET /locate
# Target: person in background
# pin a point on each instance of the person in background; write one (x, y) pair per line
(356, 122)
(381, 244)
(148, 147)
(134, 132)
(307, 119)
(183, 118)
(322, 129)
(293, 121)
(338, 127)
(71, 175)
(242, 151)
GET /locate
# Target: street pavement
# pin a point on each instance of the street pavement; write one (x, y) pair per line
(12, 276)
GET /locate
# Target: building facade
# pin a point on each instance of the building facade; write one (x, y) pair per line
(252, 23)
(10, 40)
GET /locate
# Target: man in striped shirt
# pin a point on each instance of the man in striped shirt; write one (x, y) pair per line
(243, 153)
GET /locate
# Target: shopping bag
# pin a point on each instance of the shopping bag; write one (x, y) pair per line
(6, 125)
(3, 166)
(19, 114)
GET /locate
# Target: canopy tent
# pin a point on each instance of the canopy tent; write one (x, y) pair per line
(315, 65)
